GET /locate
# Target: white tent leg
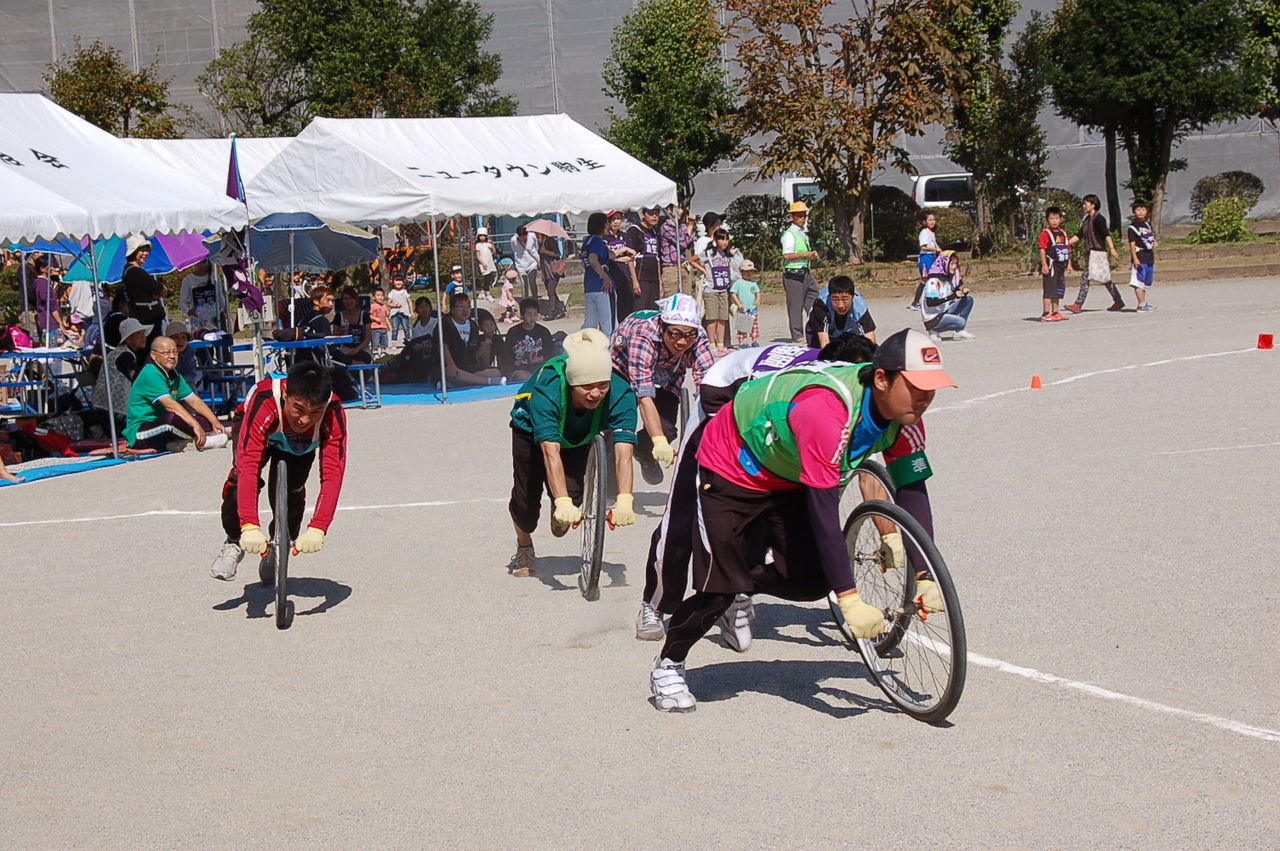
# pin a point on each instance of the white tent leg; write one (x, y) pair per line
(440, 311)
(102, 344)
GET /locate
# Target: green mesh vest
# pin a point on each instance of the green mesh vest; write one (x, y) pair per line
(802, 244)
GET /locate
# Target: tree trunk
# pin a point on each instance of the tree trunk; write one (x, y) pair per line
(982, 242)
(1113, 193)
(850, 216)
(1162, 173)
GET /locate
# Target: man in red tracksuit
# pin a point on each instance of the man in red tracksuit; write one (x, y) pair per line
(293, 419)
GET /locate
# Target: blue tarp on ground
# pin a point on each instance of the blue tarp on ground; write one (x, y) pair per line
(50, 471)
(429, 394)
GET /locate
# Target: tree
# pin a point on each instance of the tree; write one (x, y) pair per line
(1155, 71)
(665, 69)
(1264, 25)
(835, 99)
(345, 59)
(95, 83)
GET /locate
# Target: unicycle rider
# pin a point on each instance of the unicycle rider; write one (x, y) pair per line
(557, 414)
(295, 419)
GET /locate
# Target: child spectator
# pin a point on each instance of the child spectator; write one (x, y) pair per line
(746, 298)
(946, 303)
(1142, 253)
(528, 345)
(929, 252)
(485, 260)
(508, 301)
(455, 284)
(1055, 260)
(401, 309)
(721, 263)
(379, 322)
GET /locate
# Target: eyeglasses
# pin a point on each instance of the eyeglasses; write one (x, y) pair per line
(164, 351)
(682, 335)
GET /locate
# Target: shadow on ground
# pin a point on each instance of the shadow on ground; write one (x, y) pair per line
(796, 681)
(257, 598)
(550, 569)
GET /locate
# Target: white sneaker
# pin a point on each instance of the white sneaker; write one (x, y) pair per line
(649, 626)
(224, 566)
(735, 623)
(523, 561)
(670, 691)
(935, 336)
(964, 335)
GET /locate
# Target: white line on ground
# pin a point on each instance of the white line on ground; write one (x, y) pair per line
(1218, 721)
(1220, 448)
(170, 512)
(968, 403)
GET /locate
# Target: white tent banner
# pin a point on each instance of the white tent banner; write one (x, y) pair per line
(117, 189)
(376, 171)
(31, 212)
(206, 159)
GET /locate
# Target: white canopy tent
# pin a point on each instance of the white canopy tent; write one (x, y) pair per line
(119, 189)
(206, 159)
(391, 171)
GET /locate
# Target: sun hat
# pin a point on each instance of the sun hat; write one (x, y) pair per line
(680, 309)
(747, 266)
(916, 357)
(482, 231)
(131, 326)
(587, 358)
(798, 207)
(133, 243)
(512, 274)
(177, 327)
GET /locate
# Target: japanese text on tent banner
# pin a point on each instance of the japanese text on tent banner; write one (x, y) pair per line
(493, 172)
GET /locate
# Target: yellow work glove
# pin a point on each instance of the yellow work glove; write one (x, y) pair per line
(929, 596)
(566, 512)
(252, 540)
(662, 451)
(624, 512)
(310, 541)
(864, 621)
(891, 552)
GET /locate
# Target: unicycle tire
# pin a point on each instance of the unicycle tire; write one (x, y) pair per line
(282, 545)
(595, 487)
(919, 662)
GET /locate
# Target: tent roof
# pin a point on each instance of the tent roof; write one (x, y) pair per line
(374, 171)
(107, 187)
(206, 159)
(30, 211)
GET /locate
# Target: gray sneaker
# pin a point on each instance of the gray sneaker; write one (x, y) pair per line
(670, 691)
(649, 626)
(267, 567)
(224, 566)
(523, 561)
(735, 623)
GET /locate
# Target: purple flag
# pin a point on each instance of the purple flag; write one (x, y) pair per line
(235, 186)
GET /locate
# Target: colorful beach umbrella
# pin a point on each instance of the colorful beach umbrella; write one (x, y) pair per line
(168, 252)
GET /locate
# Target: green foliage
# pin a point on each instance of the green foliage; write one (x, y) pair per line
(95, 83)
(1052, 196)
(341, 59)
(1263, 18)
(956, 228)
(1224, 221)
(665, 69)
(1154, 71)
(894, 223)
(1238, 184)
(758, 222)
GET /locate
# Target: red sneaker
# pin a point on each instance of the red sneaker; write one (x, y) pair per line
(1058, 317)
(1119, 305)
(1047, 317)
(1074, 308)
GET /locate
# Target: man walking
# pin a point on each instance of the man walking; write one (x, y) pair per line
(1097, 239)
(797, 256)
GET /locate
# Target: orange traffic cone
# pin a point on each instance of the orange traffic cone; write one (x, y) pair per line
(1035, 383)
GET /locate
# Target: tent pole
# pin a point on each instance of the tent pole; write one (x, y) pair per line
(102, 344)
(440, 314)
(26, 306)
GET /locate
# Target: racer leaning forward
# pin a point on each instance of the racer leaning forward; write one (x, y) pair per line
(667, 568)
(291, 418)
(653, 351)
(558, 412)
(771, 465)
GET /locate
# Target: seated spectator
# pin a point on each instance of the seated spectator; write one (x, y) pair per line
(420, 359)
(947, 303)
(468, 351)
(121, 368)
(164, 412)
(187, 365)
(111, 324)
(528, 345)
(354, 321)
(838, 310)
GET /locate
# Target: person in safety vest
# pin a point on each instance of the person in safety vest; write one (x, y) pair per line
(655, 351)
(558, 412)
(798, 255)
(292, 418)
(771, 465)
(839, 310)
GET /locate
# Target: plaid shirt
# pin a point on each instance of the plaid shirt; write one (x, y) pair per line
(668, 254)
(640, 357)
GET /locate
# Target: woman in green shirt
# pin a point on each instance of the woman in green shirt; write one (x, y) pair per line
(558, 412)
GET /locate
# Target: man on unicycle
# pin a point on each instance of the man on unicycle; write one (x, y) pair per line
(293, 419)
(771, 464)
(558, 413)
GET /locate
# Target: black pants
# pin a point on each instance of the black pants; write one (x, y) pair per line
(666, 572)
(297, 469)
(530, 477)
(668, 405)
(802, 292)
(625, 299)
(650, 292)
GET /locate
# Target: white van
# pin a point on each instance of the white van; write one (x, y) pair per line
(801, 189)
(942, 190)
